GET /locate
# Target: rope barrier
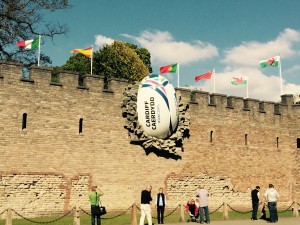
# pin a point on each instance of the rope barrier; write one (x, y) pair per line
(239, 211)
(215, 210)
(118, 214)
(43, 222)
(168, 214)
(286, 209)
(107, 218)
(3, 212)
(172, 211)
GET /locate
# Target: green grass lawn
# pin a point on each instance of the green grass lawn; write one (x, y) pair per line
(125, 218)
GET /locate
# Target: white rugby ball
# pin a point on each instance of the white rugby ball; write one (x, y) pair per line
(157, 106)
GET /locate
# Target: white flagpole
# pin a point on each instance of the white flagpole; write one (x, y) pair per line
(214, 74)
(247, 87)
(39, 51)
(92, 60)
(279, 67)
(178, 75)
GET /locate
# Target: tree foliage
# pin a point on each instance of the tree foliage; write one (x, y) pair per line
(121, 61)
(78, 63)
(23, 20)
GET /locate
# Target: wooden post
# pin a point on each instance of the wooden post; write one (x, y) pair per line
(76, 216)
(225, 211)
(295, 210)
(133, 214)
(8, 217)
(181, 213)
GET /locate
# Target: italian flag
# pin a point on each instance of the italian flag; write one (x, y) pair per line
(29, 44)
(238, 81)
(168, 69)
(274, 61)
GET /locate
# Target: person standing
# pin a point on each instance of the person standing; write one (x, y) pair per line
(255, 202)
(202, 195)
(94, 198)
(160, 203)
(145, 205)
(271, 196)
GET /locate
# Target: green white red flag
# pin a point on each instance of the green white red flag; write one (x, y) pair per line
(29, 44)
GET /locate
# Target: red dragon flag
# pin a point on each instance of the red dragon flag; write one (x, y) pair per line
(204, 76)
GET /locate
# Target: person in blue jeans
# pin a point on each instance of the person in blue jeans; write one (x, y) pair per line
(271, 196)
(94, 198)
(202, 195)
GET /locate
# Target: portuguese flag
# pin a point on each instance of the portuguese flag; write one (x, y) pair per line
(274, 61)
(168, 69)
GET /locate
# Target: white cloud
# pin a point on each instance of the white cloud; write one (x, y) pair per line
(250, 53)
(101, 40)
(164, 49)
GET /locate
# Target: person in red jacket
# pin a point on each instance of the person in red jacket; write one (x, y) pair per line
(192, 208)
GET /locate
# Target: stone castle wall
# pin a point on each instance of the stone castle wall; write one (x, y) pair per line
(48, 167)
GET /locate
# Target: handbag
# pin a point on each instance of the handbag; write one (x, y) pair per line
(102, 210)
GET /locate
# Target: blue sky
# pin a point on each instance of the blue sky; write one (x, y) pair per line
(231, 36)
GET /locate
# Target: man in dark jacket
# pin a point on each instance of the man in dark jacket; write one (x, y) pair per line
(145, 205)
(255, 202)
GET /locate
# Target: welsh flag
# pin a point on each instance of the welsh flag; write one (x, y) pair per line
(168, 69)
(274, 61)
(29, 44)
(238, 81)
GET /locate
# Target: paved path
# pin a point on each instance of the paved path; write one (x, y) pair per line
(282, 221)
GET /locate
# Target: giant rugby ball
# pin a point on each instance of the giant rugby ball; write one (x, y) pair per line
(157, 106)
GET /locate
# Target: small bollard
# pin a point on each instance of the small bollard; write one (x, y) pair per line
(133, 214)
(181, 213)
(295, 210)
(225, 211)
(8, 217)
(76, 216)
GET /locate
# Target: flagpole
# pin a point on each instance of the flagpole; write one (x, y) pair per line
(280, 74)
(92, 60)
(39, 51)
(247, 87)
(178, 75)
(214, 73)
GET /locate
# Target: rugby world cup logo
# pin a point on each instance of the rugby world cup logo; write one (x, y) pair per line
(157, 106)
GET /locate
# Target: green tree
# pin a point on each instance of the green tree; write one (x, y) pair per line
(23, 20)
(143, 53)
(121, 61)
(78, 63)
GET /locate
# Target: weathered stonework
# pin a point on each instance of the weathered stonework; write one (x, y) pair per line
(49, 165)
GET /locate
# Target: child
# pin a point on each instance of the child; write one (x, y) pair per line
(192, 208)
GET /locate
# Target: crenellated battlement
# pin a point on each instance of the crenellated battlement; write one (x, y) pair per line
(11, 73)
